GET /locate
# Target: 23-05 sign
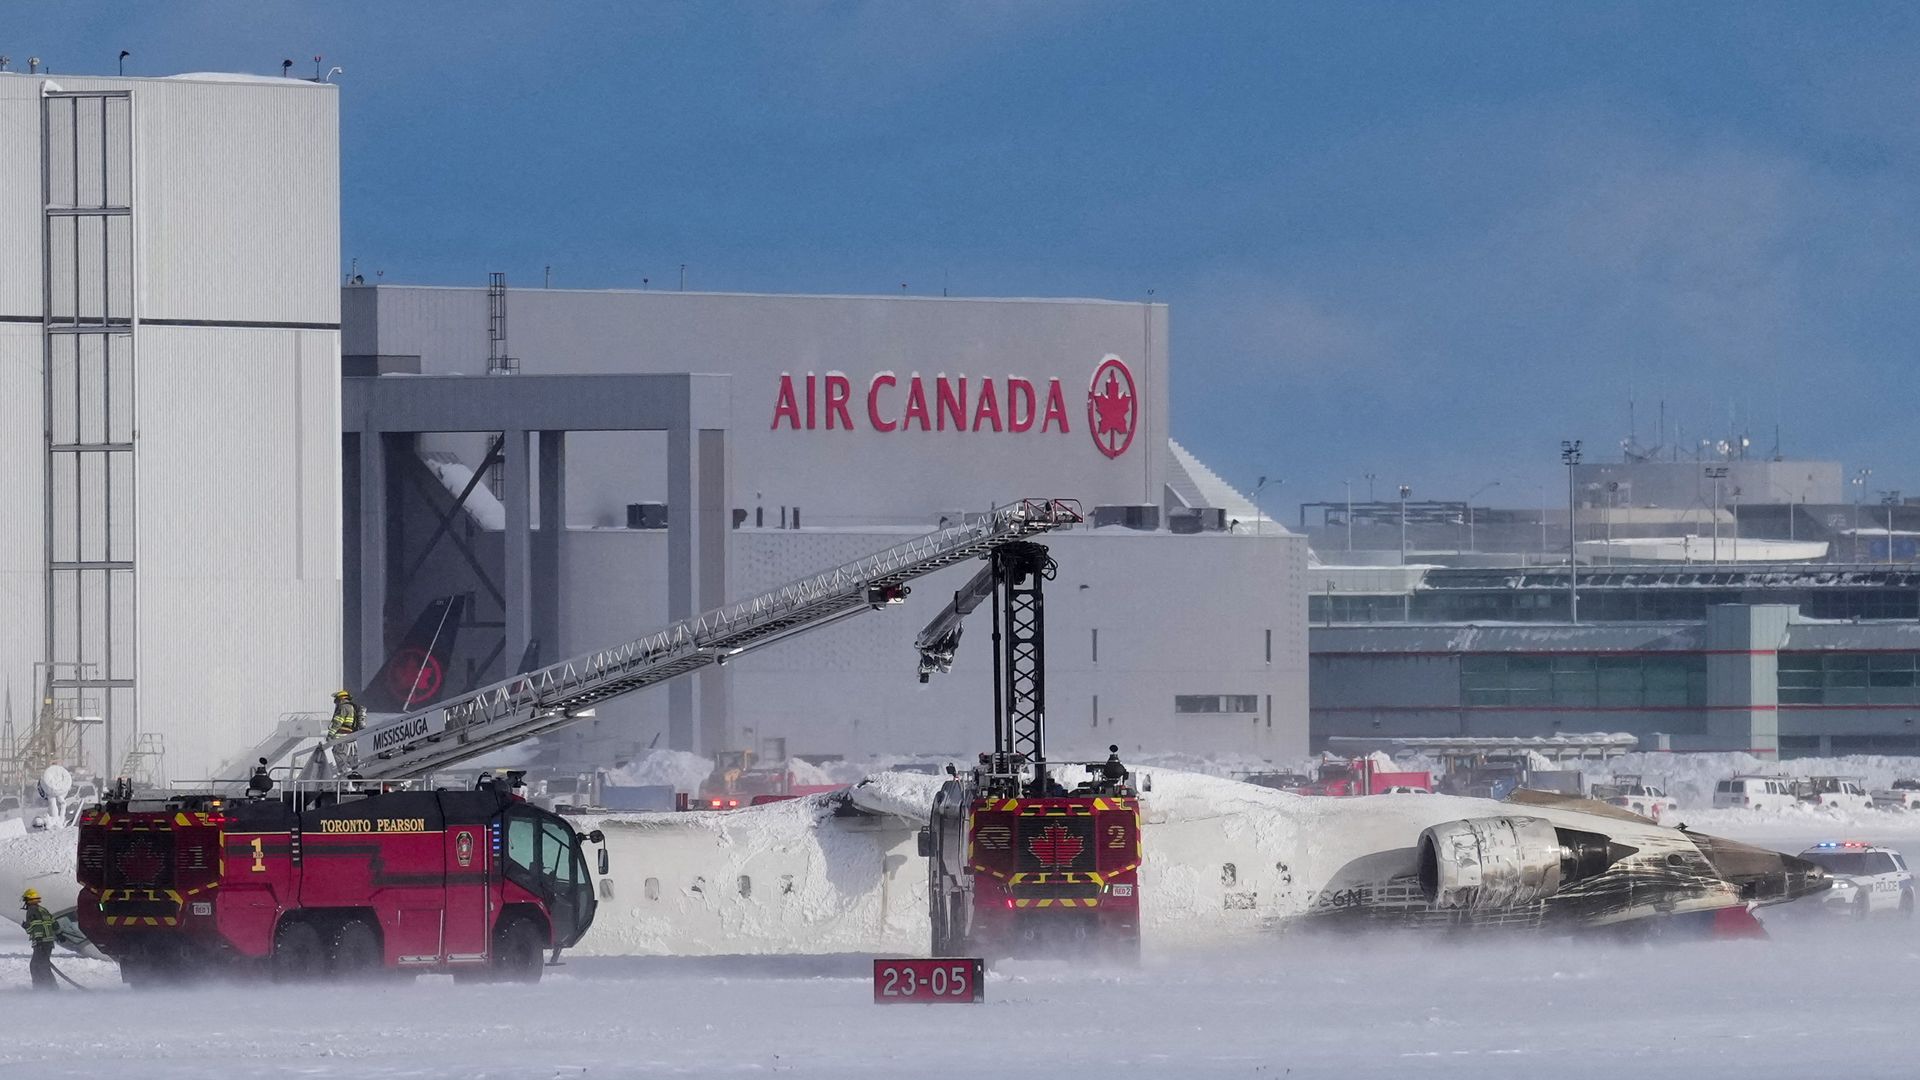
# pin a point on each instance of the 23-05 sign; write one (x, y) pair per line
(950, 979)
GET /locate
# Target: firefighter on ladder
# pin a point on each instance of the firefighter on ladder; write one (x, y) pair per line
(41, 931)
(347, 715)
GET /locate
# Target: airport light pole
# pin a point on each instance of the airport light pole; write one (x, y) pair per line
(1716, 473)
(1892, 499)
(1570, 455)
(1543, 524)
(1349, 485)
(1859, 483)
(1613, 492)
(1371, 477)
(1405, 490)
(1470, 498)
(1257, 512)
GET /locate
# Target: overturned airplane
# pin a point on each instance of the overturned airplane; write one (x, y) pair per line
(840, 872)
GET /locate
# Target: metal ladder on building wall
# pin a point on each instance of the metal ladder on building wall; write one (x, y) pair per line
(513, 710)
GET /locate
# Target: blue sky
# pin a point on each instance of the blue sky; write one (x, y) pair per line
(1426, 240)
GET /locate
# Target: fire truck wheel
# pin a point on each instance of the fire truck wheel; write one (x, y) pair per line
(956, 943)
(297, 952)
(519, 952)
(354, 951)
(942, 943)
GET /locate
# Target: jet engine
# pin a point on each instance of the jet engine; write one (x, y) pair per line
(1508, 861)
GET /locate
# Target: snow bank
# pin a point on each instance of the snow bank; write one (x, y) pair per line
(678, 769)
(904, 795)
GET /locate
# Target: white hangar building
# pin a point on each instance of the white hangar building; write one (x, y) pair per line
(169, 410)
(829, 427)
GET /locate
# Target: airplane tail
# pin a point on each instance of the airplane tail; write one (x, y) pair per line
(418, 671)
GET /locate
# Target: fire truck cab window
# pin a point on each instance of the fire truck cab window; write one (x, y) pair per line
(543, 850)
(522, 833)
(556, 853)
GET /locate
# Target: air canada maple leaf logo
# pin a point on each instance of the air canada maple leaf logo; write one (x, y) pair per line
(1113, 407)
(416, 675)
(1055, 846)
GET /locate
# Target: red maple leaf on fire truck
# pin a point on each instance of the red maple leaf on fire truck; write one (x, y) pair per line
(1055, 846)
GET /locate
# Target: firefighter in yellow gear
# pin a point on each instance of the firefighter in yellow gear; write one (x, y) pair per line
(348, 716)
(41, 931)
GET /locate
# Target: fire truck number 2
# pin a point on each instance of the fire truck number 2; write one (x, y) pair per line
(926, 980)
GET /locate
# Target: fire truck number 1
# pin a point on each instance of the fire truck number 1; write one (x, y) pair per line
(259, 855)
(926, 980)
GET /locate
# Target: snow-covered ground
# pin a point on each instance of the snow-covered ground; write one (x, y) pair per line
(1829, 1000)
(1820, 998)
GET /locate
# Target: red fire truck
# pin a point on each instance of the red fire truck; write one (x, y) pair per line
(1358, 776)
(339, 879)
(738, 780)
(1057, 870)
(1023, 853)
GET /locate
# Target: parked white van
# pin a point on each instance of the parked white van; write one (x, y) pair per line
(1755, 793)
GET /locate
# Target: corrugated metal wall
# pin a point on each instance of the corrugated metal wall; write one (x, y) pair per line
(235, 504)
(23, 556)
(240, 197)
(23, 553)
(20, 201)
(240, 526)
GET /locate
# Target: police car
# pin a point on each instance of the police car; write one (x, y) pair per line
(1867, 878)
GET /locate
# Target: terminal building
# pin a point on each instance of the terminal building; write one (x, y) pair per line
(1720, 602)
(1786, 660)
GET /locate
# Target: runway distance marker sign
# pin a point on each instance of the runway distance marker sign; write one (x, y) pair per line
(956, 980)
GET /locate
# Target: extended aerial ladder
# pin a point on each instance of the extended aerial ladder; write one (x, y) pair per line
(414, 744)
(1016, 858)
(1015, 580)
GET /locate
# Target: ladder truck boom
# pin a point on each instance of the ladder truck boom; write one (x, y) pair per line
(512, 710)
(938, 642)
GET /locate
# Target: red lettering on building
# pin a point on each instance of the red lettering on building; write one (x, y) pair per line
(784, 405)
(1018, 390)
(949, 401)
(1013, 404)
(838, 391)
(1056, 406)
(986, 407)
(916, 403)
(873, 402)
